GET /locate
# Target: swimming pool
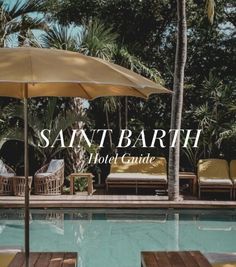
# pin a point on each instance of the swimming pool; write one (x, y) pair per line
(115, 237)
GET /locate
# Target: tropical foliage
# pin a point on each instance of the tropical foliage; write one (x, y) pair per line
(49, 114)
(141, 36)
(17, 21)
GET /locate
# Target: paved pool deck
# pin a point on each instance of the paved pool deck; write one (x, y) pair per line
(111, 201)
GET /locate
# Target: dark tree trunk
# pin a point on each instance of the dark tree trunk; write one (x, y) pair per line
(126, 112)
(108, 127)
(119, 116)
(177, 101)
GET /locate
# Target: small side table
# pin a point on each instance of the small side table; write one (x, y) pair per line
(192, 177)
(89, 176)
(19, 185)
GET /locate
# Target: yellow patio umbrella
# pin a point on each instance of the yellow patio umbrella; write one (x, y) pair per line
(35, 72)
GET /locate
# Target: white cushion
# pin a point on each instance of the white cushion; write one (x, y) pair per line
(44, 174)
(212, 181)
(3, 169)
(55, 164)
(7, 175)
(136, 176)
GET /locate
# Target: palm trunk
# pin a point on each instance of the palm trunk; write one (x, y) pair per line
(177, 101)
(108, 127)
(126, 112)
(77, 154)
(119, 117)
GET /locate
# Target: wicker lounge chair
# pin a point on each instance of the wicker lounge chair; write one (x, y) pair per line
(233, 175)
(145, 175)
(6, 179)
(50, 178)
(213, 176)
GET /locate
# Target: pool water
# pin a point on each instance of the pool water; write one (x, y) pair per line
(116, 237)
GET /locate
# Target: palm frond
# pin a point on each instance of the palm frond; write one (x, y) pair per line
(17, 19)
(97, 40)
(60, 37)
(227, 134)
(109, 103)
(20, 8)
(126, 59)
(14, 134)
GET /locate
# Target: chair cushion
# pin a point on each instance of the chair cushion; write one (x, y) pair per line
(44, 174)
(213, 169)
(224, 264)
(158, 166)
(3, 169)
(6, 258)
(55, 164)
(7, 175)
(214, 181)
(136, 177)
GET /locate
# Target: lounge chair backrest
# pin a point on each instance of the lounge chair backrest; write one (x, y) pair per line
(213, 168)
(54, 165)
(3, 168)
(122, 166)
(233, 169)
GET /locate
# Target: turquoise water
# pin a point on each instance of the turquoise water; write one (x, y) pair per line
(105, 238)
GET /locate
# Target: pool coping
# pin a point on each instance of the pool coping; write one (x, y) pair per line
(111, 201)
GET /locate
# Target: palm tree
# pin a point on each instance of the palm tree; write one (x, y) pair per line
(17, 21)
(177, 100)
(110, 105)
(63, 37)
(93, 39)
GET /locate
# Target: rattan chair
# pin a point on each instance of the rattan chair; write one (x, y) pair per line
(49, 179)
(6, 179)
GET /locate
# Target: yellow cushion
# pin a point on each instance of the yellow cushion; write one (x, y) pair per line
(156, 166)
(6, 258)
(222, 264)
(213, 168)
(233, 169)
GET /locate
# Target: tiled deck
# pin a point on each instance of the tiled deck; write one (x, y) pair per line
(110, 201)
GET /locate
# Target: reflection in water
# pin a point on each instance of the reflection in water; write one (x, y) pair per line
(117, 236)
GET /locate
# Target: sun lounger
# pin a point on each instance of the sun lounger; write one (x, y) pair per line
(233, 175)
(221, 259)
(135, 175)
(213, 176)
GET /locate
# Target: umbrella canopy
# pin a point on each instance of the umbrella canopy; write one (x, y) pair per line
(51, 72)
(34, 72)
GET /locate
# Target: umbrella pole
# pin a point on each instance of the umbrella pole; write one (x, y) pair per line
(26, 170)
